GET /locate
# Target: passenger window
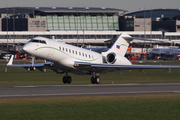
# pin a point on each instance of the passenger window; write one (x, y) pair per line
(73, 51)
(89, 56)
(76, 52)
(80, 53)
(83, 54)
(66, 50)
(63, 49)
(69, 51)
(86, 55)
(59, 48)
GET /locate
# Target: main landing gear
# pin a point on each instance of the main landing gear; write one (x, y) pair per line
(67, 79)
(95, 80)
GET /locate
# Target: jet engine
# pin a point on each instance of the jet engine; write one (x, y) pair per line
(30, 68)
(114, 58)
(111, 58)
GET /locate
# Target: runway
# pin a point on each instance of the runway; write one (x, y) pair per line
(88, 90)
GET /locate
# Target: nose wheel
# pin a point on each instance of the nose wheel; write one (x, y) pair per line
(95, 80)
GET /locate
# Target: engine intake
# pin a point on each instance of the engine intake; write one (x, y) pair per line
(111, 58)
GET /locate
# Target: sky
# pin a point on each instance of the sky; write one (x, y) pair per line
(129, 5)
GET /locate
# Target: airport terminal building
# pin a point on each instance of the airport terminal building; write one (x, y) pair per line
(87, 18)
(86, 25)
(59, 18)
(161, 19)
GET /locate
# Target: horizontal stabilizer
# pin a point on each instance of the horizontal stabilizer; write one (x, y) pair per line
(135, 38)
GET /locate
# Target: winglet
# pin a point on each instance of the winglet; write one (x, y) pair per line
(10, 61)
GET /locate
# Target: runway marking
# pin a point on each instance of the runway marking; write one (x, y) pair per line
(97, 85)
(98, 93)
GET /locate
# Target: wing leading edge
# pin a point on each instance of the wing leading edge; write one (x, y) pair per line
(122, 67)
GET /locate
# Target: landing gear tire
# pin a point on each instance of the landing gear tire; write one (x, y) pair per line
(95, 80)
(64, 80)
(67, 79)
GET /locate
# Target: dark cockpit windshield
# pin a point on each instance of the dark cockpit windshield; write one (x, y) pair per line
(38, 41)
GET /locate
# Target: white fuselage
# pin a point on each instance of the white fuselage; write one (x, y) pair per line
(63, 55)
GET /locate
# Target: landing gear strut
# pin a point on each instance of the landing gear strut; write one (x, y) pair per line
(67, 79)
(95, 80)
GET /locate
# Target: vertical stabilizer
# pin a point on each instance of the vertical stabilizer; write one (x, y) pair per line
(121, 45)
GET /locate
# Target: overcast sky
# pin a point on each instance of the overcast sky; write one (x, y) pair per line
(130, 5)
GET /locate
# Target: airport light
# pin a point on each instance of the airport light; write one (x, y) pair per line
(7, 29)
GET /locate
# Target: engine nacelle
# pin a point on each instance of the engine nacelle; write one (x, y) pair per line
(111, 58)
(31, 68)
(114, 58)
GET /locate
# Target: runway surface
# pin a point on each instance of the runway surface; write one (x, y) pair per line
(88, 90)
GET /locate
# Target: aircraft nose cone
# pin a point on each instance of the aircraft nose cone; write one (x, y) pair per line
(26, 48)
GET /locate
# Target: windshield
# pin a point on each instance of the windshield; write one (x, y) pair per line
(38, 41)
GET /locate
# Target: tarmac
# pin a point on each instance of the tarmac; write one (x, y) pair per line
(88, 90)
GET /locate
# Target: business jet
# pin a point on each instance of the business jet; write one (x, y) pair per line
(69, 58)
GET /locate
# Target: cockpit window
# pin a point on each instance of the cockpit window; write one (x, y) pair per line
(42, 41)
(38, 41)
(35, 41)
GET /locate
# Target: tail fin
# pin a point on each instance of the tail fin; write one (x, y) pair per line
(121, 45)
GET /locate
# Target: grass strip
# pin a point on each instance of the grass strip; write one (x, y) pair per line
(126, 107)
(23, 77)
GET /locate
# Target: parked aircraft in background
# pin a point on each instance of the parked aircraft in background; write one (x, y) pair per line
(165, 53)
(68, 58)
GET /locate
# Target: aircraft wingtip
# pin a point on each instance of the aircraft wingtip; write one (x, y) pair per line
(10, 61)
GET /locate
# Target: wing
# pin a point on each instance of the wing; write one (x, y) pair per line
(102, 68)
(37, 65)
(134, 66)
